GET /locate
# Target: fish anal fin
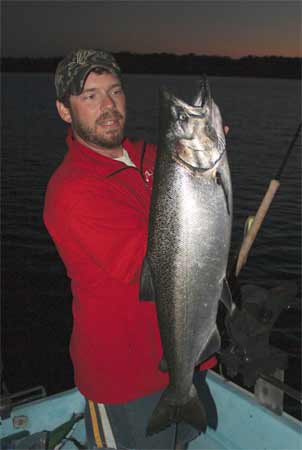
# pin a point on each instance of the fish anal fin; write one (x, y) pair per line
(213, 346)
(147, 290)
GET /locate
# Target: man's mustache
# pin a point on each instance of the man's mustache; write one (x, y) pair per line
(109, 115)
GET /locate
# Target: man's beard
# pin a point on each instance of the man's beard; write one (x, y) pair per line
(110, 140)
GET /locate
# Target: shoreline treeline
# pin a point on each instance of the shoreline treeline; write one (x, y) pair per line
(189, 64)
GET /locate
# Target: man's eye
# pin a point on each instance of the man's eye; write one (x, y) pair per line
(117, 91)
(89, 96)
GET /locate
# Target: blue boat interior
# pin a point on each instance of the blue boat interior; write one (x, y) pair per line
(242, 422)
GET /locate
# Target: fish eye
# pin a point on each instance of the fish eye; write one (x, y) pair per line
(182, 116)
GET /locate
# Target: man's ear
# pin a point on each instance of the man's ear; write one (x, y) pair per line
(63, 111)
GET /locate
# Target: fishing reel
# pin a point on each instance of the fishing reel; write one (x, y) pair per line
(246, 348)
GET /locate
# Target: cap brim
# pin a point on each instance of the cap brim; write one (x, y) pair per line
(77, 85)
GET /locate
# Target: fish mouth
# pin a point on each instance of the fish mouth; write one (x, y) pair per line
(204, 96)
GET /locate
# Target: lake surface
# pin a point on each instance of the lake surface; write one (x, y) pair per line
(263, 115)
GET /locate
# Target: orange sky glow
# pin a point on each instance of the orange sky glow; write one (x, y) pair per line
(225, 28)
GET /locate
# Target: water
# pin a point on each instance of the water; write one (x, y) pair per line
(263, 115)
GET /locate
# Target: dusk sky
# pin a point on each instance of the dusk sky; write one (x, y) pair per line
(227, 28)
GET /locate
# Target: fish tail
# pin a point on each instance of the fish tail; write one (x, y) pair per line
(167, 412)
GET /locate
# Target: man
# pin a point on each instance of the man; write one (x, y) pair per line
(96, 211)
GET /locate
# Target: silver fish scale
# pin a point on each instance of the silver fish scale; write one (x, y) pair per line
(188, 257)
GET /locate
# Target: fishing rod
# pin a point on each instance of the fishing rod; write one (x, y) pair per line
(250, 236)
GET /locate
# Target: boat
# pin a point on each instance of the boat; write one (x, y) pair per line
(57, 421)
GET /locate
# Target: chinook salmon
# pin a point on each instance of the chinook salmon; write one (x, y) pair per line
(184, 268)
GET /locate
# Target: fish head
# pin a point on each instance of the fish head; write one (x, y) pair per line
(194, 132)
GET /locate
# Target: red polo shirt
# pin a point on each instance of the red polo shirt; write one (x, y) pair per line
(96, 211)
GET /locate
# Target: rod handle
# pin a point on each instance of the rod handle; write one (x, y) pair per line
(260, 215)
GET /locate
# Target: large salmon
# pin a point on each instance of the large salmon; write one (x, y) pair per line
(188, 245)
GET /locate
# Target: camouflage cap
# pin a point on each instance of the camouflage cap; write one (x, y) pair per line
(72, 71)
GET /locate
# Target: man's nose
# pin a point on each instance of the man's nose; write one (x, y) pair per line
(108, 101)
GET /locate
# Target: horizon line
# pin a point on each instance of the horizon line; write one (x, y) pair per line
(167, 53)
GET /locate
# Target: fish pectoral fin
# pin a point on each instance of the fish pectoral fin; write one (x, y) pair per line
(166, 413)
(213, 346)
(220, 182)
(226, 296)
(146, 290)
